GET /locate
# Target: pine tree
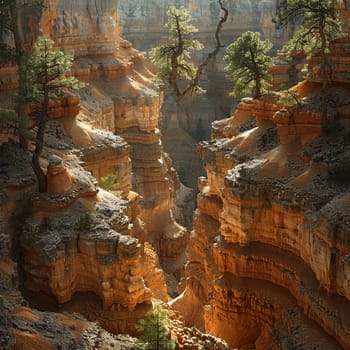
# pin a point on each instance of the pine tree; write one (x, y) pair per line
(109, 182)
(43, 78)
(154, 329)
(10, 29)
(248, 65)
(319, 27)
(174, 57)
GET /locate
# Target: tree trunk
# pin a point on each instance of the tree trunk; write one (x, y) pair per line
(39, 143)
(174, 73)
(211, 55)
(257, 87)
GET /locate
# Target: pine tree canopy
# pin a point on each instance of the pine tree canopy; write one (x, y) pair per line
(248, 63)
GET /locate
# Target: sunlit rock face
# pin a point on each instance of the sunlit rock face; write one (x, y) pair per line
(143, 24)
(77, 251)
(120, 97)
(58, 177)
(88, 27)
(269, 252)
(80, 238)
(76, 238)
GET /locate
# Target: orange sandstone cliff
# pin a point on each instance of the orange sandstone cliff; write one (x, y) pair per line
(268, 259)
(79, 248)
(143, 23)
(269, 255)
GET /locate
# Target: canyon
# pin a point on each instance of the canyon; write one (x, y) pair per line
(144, 24)
(266, 265)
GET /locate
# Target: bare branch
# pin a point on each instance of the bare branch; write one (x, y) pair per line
(195, 82)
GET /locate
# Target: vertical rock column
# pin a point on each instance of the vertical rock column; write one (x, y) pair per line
(137, 120)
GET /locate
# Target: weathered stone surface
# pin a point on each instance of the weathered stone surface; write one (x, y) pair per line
(16, 161)
(79, 238)
(88, 28)
(84, 250)
(108, 155)
(143, 24)
(268, 256)
(191, 338)
(39, 330)
(184, 206)
(153, 273)
(57, 177)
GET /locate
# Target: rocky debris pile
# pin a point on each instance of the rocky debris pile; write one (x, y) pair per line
(268, 140)
(191, 338)
(15, 166)
(338, 102)
(56, 137)
(96, 338)
(31, 329)
(6, 336)
(248, 124)
(102, 139)
(246, 177)
(329, 148)
(301, 333)
(45, 327)
(74, 225)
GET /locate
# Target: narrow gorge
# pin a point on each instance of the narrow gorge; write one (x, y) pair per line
(261, 261)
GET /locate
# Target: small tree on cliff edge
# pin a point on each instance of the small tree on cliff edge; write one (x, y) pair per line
(320, 26)
(173, 58)
(43, 79)
(154, 329)
(248, 65)
(10, 31)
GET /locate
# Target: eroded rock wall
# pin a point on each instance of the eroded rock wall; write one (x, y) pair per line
(269, 252)
(121, 98)
(143, 23)
(79, 238)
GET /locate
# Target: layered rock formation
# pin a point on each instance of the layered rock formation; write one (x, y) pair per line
(269, 255)
(269, 252)
(78, 238)
(143, 24)
(143, 21)
(121, 98)
(73, 239)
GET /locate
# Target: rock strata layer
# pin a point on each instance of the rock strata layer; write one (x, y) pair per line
(79, 239)
(269, 253)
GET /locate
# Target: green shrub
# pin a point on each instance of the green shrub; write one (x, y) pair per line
(84, 222)
(154, 330)
(109, 182)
